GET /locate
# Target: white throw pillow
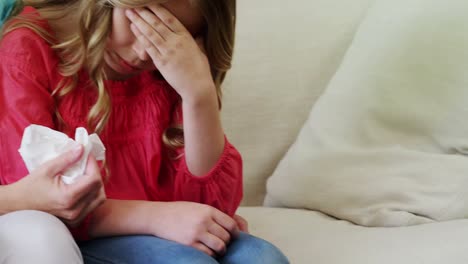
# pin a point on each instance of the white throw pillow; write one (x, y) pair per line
(385, 144)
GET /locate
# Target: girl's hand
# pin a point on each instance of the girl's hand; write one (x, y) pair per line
(174, 51)
(44, 190)
(192, 224)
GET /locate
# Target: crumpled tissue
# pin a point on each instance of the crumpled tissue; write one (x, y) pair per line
(41, 144)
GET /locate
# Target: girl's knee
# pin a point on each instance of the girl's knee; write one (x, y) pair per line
(247, 248)
(36, 237)
(191, 255)
(184, 254)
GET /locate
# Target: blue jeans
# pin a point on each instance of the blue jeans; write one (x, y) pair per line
(150, 249)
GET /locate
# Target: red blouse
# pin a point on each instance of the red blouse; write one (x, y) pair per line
(141, 167)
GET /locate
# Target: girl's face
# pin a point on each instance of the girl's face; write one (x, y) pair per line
(125, 56)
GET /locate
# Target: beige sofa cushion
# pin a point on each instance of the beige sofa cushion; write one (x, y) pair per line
(286, 52)
(385, 145)
(311, 237)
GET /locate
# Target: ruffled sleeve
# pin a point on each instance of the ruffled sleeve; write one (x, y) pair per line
(220, 188)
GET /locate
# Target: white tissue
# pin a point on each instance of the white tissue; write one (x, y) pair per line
(41, 144)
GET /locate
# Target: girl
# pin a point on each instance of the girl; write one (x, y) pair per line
(135, 71)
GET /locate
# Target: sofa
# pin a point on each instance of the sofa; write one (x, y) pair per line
(287, 55)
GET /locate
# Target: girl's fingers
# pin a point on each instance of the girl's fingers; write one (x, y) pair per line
(242, 223)
(203, 248)
(147, 35)
(227, 223)
(220, 232)
(214, 243)
(150, 48)
(154, 22)
(168, 19)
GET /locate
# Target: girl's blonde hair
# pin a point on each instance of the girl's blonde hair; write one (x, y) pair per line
(84, 47)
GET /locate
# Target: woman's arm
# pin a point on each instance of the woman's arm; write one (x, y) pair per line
(9, 200)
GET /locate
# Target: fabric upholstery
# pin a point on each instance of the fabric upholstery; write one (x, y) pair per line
(311, 237)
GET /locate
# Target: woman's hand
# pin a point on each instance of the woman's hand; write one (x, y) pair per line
(173, 50)
(44, 189)
(197, 225)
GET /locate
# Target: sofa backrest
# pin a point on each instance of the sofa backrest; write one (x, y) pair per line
(286, 53)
